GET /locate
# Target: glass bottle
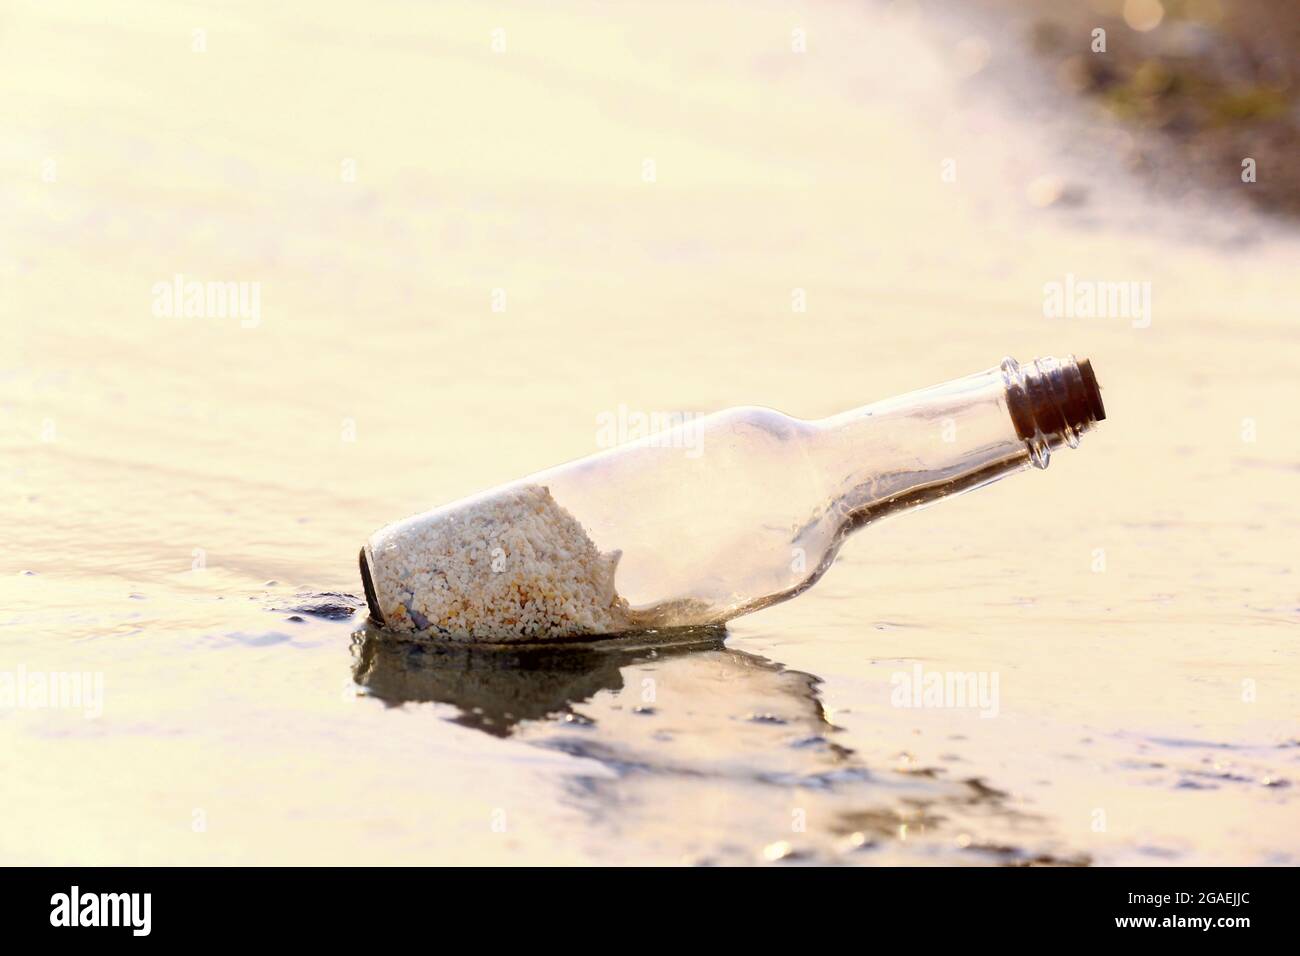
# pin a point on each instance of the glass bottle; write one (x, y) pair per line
(715, 518)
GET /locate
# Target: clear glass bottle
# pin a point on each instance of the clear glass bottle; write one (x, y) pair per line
(715, 518)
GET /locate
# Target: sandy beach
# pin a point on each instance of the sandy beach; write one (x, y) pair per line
(467, 235)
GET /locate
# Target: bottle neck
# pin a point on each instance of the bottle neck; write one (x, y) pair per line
(918, 448)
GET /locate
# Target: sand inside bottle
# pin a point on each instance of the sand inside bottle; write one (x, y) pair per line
(514, 566)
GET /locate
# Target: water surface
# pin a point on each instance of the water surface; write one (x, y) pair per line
(462, 265)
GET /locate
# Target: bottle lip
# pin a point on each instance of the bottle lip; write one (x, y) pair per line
(1092, 391)
(1053, 402)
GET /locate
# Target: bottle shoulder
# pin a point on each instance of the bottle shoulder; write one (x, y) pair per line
(760, 418)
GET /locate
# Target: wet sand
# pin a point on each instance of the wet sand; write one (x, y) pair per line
(464, 260)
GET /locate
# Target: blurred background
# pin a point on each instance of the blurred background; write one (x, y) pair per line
(460, 233)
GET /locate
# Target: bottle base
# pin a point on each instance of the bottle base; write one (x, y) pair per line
(372, 599)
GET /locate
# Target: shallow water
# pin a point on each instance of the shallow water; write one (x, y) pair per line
(186, 496)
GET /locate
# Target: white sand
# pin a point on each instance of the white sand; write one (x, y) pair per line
(515, 566)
